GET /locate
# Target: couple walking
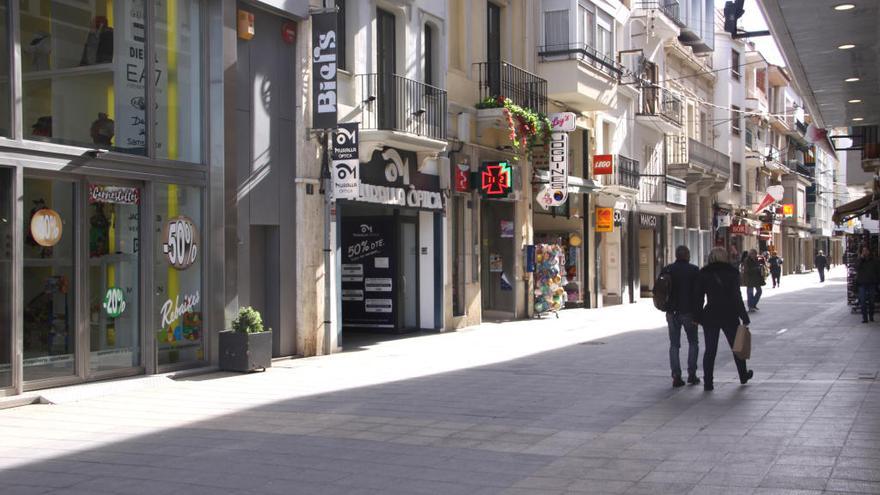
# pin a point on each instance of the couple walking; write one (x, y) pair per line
(717, 284)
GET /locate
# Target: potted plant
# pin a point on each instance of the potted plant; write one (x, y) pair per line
(248, 346)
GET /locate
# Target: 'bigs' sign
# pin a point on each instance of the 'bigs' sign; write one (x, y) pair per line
(324, 70)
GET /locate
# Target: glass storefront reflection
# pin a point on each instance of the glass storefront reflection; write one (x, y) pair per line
(177, 274)
(6, 203)
(48, 285)
(114, 254)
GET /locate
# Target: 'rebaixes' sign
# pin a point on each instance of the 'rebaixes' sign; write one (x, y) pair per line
(324, 57)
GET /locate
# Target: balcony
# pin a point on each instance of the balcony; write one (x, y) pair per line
(666, 26)
(659, 108)
(696, 162)
(401, 112)
(580, 75)
(662, 194)
(625, 175)
(698, 31)
(519, 85)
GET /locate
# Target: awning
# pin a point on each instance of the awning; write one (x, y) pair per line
(855, 208)
(576, 185)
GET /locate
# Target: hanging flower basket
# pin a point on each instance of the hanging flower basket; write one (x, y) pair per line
(526, 126)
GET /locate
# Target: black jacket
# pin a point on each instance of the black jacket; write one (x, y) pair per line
(821, 261)
(867, 271)
(684, 278)
(719, 284)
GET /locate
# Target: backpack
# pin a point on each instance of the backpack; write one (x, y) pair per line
(663, 290)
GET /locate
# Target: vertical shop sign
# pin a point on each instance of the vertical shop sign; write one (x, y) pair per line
(346, 176)
(604, 219)
(563, 121)
(131, 102)
(462, 178)
(324, 70)
(555, 192)
(368, 273)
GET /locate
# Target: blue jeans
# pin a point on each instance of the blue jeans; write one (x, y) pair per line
(675, 322)
(753, 295)
(867, 293)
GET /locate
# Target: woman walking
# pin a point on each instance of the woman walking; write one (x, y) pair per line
(775, 263)
(724, 310)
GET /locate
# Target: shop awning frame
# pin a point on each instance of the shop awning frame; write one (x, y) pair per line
(855, 208)
(576, 185)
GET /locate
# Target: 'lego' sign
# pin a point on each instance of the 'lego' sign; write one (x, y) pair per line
(603, 164)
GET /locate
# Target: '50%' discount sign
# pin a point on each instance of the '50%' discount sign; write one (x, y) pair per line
(181, 242)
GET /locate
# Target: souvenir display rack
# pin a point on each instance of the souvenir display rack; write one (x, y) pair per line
(550, 279)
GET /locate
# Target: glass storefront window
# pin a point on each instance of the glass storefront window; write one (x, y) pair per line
(177, 274)
(5, 89)
(48, 286)
(6, 203)
(114, 268)
(179, 81)
(83, 73)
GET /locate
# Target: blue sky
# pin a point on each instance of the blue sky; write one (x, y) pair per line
(752, 20)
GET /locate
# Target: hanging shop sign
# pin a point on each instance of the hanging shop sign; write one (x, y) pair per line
(741, 229)
(114, 302)
(462, 178)
(391, 177)
(676, 195)
(722, 220)
(324, 70)
(603, 164)
(563, 121)
(647, 221)
(369, 268)
(619, 218)
(604, 219)
(788, 210)
(346, 178)
(46, 227)
(119, 195)
(496, 179)
(180, 242)
(555, 192)
(288, 32)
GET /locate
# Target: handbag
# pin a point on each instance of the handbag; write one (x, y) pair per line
(742, 344)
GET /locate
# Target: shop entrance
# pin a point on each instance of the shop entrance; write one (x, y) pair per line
(81, 280)
(497, 256)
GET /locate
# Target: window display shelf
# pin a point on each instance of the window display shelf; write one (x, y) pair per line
(85, 70)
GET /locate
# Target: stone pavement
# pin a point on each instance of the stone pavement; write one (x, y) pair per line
(579, 404)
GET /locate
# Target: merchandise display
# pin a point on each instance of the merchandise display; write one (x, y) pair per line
(550, 278)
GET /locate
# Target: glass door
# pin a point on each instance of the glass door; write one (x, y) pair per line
(6, 273)
(49, 280)
(113, 224)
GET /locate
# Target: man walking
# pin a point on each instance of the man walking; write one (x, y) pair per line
(753, 276)
(867, 277)
(680, 313)
(821, 265)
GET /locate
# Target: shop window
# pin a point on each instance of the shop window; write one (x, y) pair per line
(83, 73)
(177, 274)
(6, 204)
(178, 80)
(48, 287)
(5, 90)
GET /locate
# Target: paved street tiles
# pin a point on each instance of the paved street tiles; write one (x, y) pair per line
(513, 408)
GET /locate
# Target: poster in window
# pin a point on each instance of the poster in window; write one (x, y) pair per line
(368, 273)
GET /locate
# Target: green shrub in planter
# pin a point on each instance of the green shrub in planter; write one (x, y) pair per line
(248, 346)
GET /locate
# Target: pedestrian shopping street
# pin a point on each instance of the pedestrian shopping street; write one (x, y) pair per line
(579, 404)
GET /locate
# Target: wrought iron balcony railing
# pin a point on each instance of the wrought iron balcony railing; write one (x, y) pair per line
(521, 86)
(656, 100)
(396, 103)
(669, 7)
(626, 174)
(683, 152)
(583, 52)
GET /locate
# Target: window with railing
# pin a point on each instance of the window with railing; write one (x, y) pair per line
(520, 86)
(392, 102)
(670, 8)
(656, 100)
(627, 172)
(594, 39)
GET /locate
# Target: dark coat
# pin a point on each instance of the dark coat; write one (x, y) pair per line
(752, 275)
(719, 284)
(867, 271)
(775, 264)
(684, 277)
(821, 261)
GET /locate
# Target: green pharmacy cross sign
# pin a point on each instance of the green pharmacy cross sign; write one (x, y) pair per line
(114, 302)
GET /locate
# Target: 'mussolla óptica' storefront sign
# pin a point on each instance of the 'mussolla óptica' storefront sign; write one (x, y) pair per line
(391, 178)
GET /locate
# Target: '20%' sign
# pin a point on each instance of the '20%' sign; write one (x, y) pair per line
(181, 242)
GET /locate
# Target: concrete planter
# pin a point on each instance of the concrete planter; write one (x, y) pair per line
(245, 352)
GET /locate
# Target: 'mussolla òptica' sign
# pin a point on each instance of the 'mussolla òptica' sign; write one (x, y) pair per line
(391, 178)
